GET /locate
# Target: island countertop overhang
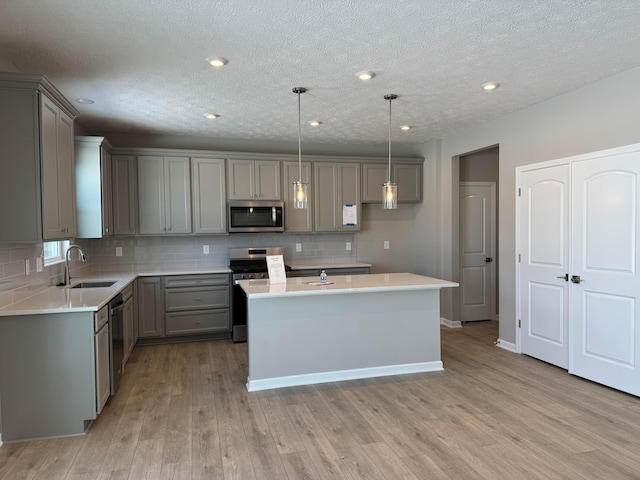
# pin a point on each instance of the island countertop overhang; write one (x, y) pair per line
(343, 284)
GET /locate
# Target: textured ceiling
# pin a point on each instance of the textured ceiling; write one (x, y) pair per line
(143, 61)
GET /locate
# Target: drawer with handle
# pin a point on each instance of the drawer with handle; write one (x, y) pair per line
(196, 298)
(197, 322)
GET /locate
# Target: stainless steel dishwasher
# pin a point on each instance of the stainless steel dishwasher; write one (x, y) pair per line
(116, 315)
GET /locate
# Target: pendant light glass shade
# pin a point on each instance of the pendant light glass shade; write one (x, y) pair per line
(389, 189)
(300, 193)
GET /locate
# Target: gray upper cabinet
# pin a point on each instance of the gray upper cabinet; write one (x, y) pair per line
(408, 176)
(253, 179)
(296, 220)
(336, 185)
(36, 160)
(93, 187)
(208, 196)
(164, 195)
(123, 169)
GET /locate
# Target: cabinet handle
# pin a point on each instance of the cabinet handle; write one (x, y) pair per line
(197, 299)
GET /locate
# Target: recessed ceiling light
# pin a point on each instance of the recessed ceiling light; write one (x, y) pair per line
(211, 116)
(488, 86)
(365, 76)
(86, 101)
(315, 123)
(217, 61)
(405, 127)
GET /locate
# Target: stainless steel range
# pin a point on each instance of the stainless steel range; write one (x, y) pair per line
(246, 263)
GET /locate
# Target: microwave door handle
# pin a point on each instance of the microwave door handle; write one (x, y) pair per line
(273, 215)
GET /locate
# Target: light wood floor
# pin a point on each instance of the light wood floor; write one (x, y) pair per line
(183, 412)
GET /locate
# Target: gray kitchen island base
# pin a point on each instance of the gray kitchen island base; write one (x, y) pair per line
(340, 334)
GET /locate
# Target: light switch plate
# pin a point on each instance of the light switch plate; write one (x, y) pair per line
(386, 244)
(118, 251)
(205, 249)
(38, 264)
(27, 268)
(348, 245)
(298, 247)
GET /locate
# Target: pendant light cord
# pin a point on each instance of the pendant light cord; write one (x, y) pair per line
(389, 172)
(299, 141)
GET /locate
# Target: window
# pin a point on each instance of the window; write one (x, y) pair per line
(54, 251)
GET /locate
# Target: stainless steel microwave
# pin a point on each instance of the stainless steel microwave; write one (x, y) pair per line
(256, 216)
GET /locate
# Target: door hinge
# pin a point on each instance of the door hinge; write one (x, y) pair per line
(519, 323)
(519, 258)
(519, 192)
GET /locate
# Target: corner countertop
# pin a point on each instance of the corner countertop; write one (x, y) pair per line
(342, 284)
(319, 264)
(67, 300)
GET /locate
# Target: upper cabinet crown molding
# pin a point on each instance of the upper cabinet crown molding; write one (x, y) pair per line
(40, 83)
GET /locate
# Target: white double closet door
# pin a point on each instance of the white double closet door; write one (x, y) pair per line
(578, 278)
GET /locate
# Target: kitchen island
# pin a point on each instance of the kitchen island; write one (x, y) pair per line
(303, 332)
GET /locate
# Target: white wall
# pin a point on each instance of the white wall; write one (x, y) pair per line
(595, 117)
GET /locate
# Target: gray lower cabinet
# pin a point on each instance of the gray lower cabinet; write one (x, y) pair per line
(102, 364)
(315, 272)
(183, 305)
(196, 304)
(128, 323)
(150, 307)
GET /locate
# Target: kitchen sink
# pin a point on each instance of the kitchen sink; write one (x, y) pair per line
(93, 284)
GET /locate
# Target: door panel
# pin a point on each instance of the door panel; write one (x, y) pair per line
(544, 244)
(605, 330)
(476, 246)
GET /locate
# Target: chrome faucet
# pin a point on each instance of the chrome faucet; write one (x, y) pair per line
(67, 277)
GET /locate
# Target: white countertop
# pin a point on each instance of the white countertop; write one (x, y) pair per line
(319, 263)
(67, 299)
(341, 284)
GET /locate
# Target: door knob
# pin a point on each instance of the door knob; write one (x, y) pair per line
(576, 279)
(565, 276)
(488, 260)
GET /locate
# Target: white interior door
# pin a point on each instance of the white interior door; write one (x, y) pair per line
(605, 318)
(544, 262)
(477, 251)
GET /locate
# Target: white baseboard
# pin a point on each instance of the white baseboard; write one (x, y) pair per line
(338, 376)
(450, 323)
(507, 345)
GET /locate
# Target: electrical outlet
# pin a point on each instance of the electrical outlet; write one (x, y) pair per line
(348, 245)
(298, 247)
(205, 249)
(118, 251)
(38, 264)
(386, 244)
(27, 268)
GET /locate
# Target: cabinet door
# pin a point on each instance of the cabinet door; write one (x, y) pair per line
(241, 179)
(124, 194)
(107, 193)
(209, 197)
(296, 220)
(58, 206)
(409, 180)
(373, 176)
(267, 180)
(103, 388)
(150, 307)
(349, 189)
(177, 195)
(66, 178)
(151, 192)
(325, 207)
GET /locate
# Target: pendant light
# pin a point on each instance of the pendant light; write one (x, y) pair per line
(300, 195)
(389, 189)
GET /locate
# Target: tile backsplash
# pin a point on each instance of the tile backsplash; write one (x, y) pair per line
(159, 252)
